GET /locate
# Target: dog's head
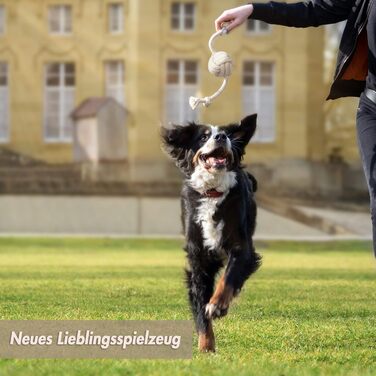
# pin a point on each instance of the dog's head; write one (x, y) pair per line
(215, 149)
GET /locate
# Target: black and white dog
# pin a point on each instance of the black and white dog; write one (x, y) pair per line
(218, 214)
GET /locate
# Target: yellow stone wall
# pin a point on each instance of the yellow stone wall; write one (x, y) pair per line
(146, 45)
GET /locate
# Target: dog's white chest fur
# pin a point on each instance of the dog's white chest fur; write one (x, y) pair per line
(211, 230)
(203, 181)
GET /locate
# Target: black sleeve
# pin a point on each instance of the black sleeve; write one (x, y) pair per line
(302, 14)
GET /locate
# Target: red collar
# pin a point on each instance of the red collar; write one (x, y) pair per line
(213, 193)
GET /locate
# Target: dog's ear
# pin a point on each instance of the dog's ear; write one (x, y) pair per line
(178, 136)
(176, 142)
(241, 134)
(245, 130)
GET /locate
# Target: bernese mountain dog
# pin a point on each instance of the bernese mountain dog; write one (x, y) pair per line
(218, 215)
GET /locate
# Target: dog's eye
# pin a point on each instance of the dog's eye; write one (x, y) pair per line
(204, 137)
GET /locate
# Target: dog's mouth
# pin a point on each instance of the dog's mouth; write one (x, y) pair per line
(218, 158)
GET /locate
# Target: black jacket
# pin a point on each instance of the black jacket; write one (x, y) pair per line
(351, 70)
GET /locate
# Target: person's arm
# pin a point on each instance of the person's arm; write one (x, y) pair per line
(301, 14)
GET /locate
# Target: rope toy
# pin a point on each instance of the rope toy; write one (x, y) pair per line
(220, 64)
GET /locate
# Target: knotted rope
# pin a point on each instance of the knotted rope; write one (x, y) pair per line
(220, 64)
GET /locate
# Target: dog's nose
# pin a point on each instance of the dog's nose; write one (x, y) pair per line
(220, 137)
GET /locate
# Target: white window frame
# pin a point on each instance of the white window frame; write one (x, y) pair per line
(63, 22)
(4, 92)
(252, 93)
(62, 89)
(257, 30)
(116, 17)
(3, 19)
(184, 91)
(182, 16)
(117, 90)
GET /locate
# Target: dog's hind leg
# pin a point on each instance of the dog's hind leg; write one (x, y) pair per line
(200, 281)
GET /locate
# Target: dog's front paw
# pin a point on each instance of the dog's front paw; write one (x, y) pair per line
(212, 311)
(219, 303)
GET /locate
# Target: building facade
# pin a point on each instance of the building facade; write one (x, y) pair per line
(151, 55)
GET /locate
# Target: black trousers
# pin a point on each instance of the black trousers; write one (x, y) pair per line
(366, 132)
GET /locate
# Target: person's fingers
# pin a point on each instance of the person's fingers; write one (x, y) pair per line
(224, 17)
(233, 24)
(228, 21)
(233, 17)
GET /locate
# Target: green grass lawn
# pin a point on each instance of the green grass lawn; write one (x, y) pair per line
(309, 310)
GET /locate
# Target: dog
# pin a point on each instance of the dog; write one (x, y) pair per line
(218, 215)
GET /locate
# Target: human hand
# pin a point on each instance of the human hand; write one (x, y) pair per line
(233, 17)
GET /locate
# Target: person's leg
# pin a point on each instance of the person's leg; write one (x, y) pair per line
(366, 132)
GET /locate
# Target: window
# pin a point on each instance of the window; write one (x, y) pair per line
(4, 102)
(60, 83)
(60, 19)
(2, 19)
(259, 96)
(116, 18)
(182, 16)
(256, 26)
(181, 83)
(115, 87)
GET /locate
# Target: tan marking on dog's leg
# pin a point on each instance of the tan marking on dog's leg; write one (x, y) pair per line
(206, 340)
(218, 290)
(220, 300)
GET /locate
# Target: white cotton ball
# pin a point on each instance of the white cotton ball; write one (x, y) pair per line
(220, 64)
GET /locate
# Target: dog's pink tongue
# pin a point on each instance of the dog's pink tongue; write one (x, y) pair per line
(217, 161)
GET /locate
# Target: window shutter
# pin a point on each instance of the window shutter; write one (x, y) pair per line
(2, 19)
(52, 120)
(267, 114)
(182, 16)
(68, 106)
(60, 19)
(54, 19)
(259, 97)
(115, 85)
(256, 26)
(172, 103)
(116, 18)
(59, 102)
(4, 113)
(4, 102)
(67, 23)
(181, 84)
(250, 105)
